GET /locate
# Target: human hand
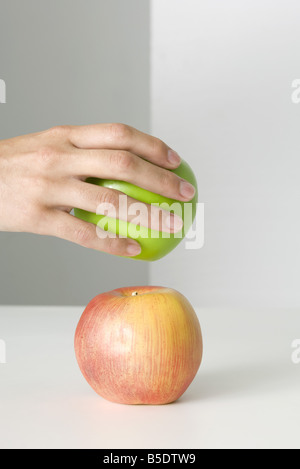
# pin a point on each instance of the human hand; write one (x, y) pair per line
(42, 178)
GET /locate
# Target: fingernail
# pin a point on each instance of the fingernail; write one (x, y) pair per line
(133, 249)
(187, 190)
(173, 158)
(173, 223)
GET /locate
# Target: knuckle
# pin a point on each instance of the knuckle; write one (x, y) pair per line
(113, 245)
(30, 213)
(167, 179)
(158, 146)
(84, 235)
(120, 132)
(40, 216)
(122, 160)
(107, 197)
(46, 155)
(59, 130)
(109, 244)
(39, 185)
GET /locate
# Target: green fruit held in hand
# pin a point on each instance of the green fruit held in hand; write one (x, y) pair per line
(154, 244)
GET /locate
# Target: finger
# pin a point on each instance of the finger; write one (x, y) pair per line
(115, 204)
(123, 137)
(125, 166)
(65, 226)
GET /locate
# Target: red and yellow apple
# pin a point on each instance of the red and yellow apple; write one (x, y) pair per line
(139, 345)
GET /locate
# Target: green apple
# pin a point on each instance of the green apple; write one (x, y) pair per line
(154, 244)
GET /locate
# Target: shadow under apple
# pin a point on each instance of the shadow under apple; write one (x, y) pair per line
(241, 380)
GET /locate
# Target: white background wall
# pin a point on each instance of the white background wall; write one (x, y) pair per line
(221, 96)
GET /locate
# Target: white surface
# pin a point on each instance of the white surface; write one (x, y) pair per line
(246, 394)
(222, 74)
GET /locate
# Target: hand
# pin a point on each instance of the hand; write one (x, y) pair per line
(42, 178)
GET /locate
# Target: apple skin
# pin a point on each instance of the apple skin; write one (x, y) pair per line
(142, 349)
(153, 243)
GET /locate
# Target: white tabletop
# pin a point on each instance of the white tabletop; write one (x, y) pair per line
(246, 394)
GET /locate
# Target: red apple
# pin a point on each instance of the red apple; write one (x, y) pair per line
(139, 345)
